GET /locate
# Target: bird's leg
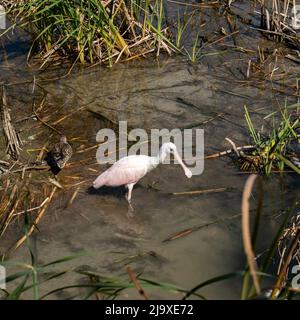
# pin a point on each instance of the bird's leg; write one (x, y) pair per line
(129, 193)
(128, 198)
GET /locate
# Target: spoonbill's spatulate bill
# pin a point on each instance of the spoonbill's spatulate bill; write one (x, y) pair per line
(129, 170)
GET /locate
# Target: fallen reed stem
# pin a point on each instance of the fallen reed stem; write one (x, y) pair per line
(34, 224)
(187, 231)
(136, 283)
(199, 191)
(12, 140)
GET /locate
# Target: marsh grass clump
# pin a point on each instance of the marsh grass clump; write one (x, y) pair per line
(277, 149)
(93, 30)
(289, 248)
(279, 20)
(281, 253)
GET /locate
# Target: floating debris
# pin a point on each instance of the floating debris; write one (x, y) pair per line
(188, 231)
(56, 183)
(194, 192)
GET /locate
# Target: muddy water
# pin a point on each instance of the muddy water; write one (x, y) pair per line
(169, 93)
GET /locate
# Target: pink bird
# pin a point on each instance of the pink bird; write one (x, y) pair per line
(129, 170)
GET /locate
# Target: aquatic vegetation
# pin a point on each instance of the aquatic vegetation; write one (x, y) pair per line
(182, 23)
(284, 249)
(282, 286)
(195, 50)
(13, 140)
(32, 277)
(276, 149)
(92, 30)
(279, 21)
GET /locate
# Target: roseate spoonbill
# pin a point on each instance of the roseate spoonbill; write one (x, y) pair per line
(129, 170)
(59, 155)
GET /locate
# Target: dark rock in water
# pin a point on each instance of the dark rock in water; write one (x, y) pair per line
(59, 155)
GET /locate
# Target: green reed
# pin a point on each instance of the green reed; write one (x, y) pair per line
(273, 149)
(91, 31)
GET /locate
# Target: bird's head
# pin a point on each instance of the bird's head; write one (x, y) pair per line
(63, 139)
(169, 148)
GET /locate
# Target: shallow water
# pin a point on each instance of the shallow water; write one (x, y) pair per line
(168, 93)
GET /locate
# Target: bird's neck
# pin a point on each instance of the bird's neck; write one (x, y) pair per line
(161, 156)
(155, 161)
